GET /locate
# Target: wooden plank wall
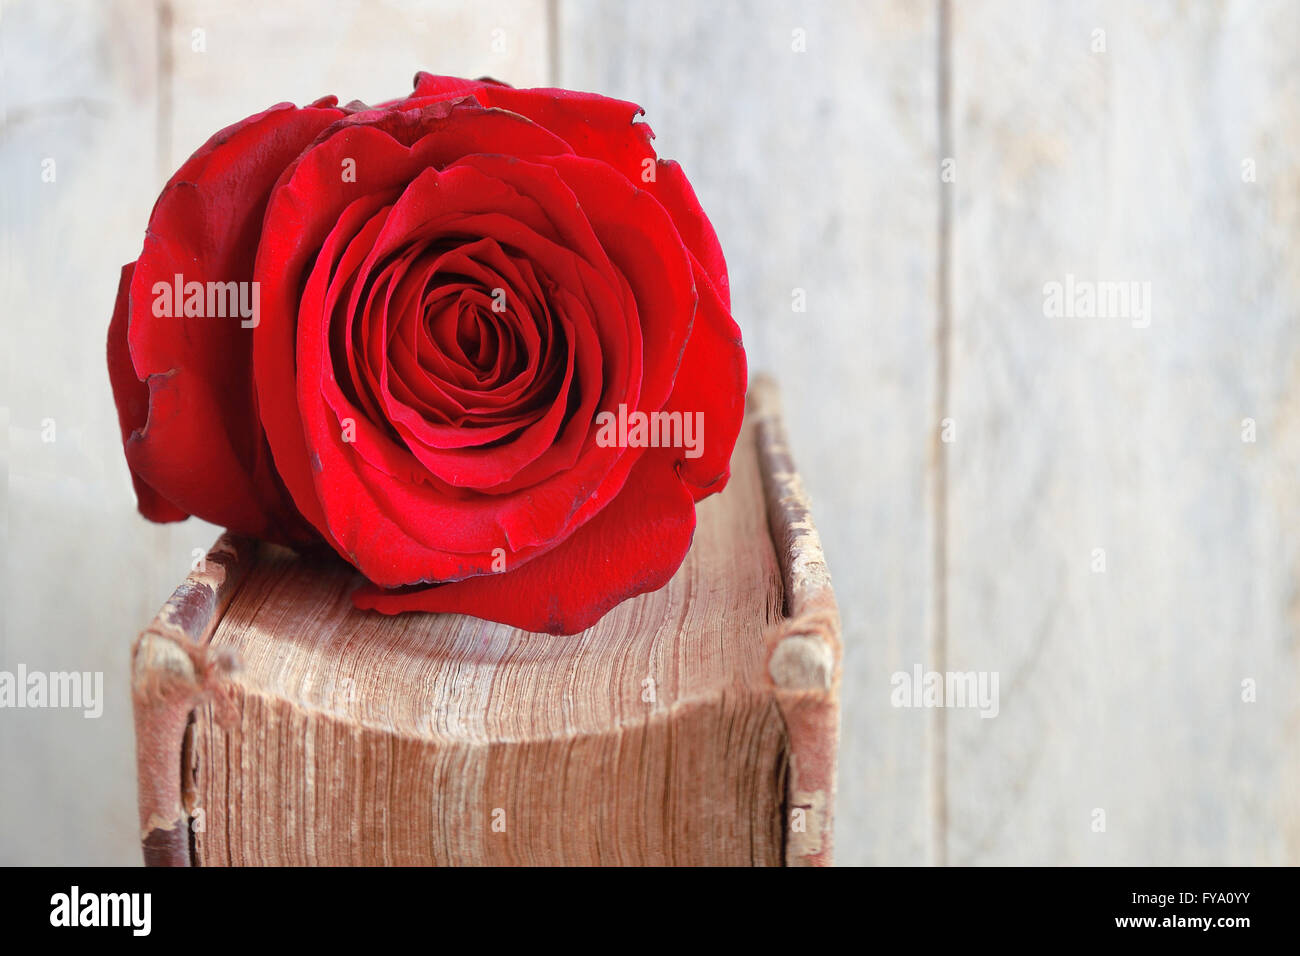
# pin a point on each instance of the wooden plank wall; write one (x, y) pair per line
(1107, 141)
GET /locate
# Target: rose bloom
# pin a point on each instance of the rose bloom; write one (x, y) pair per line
(404, 330)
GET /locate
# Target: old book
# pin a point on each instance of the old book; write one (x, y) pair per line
(276, 724)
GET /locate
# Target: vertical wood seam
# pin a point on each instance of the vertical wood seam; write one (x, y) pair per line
(161, 571)
(942, 387)
(166, 70)
(553, 42)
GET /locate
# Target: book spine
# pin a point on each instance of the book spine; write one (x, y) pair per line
(804, 652)
(172, 673)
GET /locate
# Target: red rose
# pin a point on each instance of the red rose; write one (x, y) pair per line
(478, 340)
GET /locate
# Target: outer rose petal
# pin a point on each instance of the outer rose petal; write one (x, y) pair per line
(634, 545)
(201, 446)
(711, 380)
(132, 397)
(431, 87)
(674, 192)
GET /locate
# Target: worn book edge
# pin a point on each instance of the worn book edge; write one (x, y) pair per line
(805, 651)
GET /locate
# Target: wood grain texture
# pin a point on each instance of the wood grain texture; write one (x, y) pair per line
(666, 734)
(255, 54)
(1122, 689)
(80, 568)
(819, 170)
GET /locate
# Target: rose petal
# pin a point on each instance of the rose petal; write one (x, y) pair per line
(711, 382)
(634, 545)
(132, 398)
(201, 445)
(304, 208)
(605, 129)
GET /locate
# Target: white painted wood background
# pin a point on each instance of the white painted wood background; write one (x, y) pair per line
(1120, 691)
